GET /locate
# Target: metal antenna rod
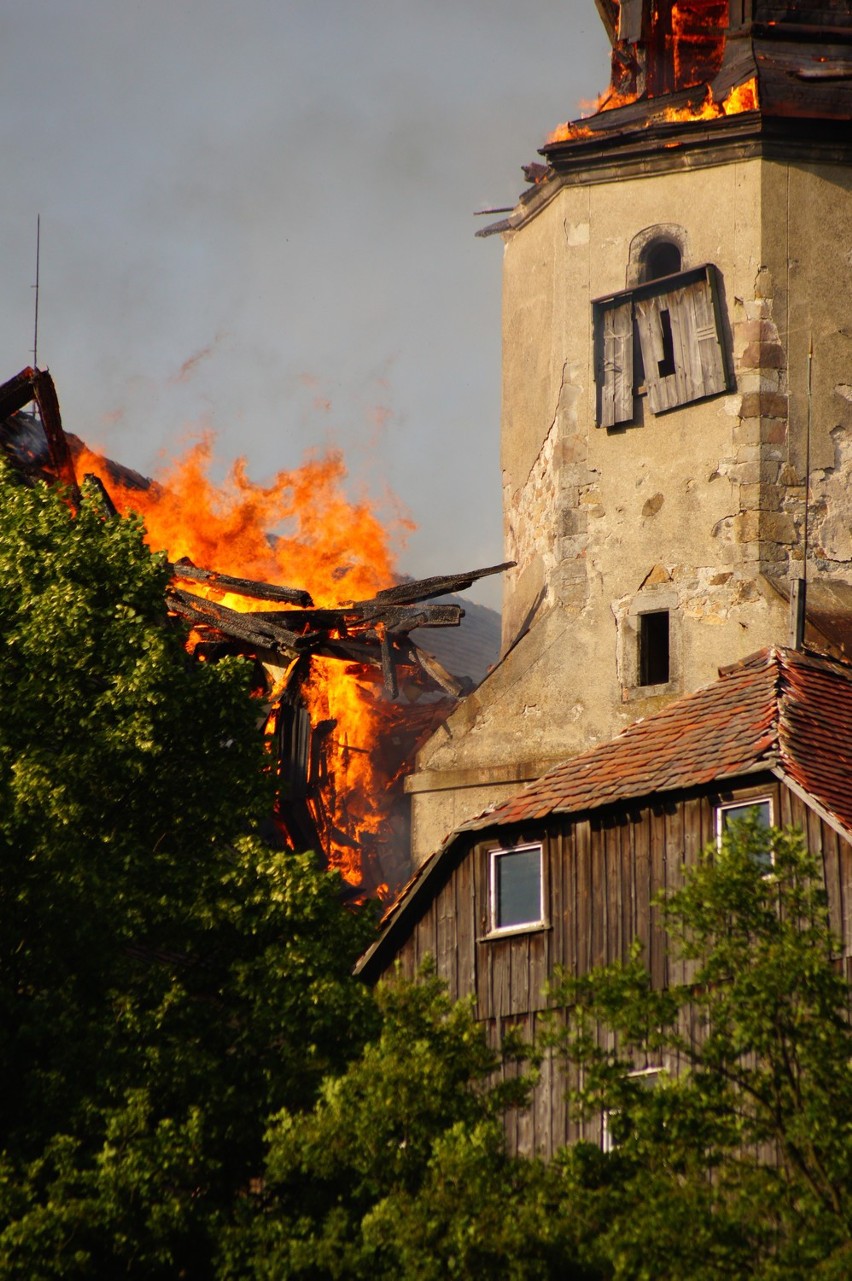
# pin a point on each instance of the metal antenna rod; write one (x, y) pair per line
(808, 455)
(36, 288)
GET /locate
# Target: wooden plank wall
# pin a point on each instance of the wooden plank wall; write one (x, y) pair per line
(601, 874)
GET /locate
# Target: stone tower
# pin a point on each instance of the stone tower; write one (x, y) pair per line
(677, 344)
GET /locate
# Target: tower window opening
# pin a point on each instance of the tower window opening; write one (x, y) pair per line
(666, 366)
(661, 258)
(654, 665)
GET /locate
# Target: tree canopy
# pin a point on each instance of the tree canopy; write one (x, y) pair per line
(192, 1084)
(739, 1161)
(166, 981)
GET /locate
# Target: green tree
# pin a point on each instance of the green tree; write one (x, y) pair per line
(165, 981)
(402, 1169)
(739, 1161)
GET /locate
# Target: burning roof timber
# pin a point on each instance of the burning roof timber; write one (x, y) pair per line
(690, 77)
(331, 797)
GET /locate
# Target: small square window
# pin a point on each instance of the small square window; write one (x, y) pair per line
(760, 808)
(517, 898)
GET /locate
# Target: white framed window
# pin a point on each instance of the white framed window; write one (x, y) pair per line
(516, 879)
(648, 1078)
(759, 806)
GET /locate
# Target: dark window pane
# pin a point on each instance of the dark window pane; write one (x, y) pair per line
(762, 811)
(517, 888)
(654, 648)
(666, 366)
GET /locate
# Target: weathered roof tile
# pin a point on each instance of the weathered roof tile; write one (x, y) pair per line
(778, 708)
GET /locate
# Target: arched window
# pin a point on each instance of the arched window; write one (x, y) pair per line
(660, 258)
(656, 251)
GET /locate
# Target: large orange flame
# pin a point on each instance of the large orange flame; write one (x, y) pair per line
(300, 530)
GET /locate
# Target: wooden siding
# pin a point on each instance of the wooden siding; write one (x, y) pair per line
(601, 873)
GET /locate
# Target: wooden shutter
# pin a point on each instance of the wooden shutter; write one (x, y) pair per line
(691, 365)
(615, 364)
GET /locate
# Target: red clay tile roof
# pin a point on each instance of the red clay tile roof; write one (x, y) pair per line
(777, 709)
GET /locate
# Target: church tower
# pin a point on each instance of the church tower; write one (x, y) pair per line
(677, 387)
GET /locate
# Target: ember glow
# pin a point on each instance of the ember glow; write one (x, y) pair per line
(697, 40)
(300, 530)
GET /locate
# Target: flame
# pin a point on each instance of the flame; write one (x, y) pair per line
(354, 801)
(697, 40)
(321, 541)
(742, 98)
(567, 132)
(686, 53)
(300, 530)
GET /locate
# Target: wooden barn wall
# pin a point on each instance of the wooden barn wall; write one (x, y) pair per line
(600, 876)
(836, 854)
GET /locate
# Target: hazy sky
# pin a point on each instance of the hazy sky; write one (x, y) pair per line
(257, 218)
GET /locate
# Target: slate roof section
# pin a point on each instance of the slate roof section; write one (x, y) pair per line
(778, 709)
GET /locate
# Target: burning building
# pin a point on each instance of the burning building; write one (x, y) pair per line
(345, 691)
(677, 399)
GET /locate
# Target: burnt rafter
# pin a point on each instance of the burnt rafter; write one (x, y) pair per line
(427, 588)
(37, 385)
(241, 586)
(372, 632)
(233, 623)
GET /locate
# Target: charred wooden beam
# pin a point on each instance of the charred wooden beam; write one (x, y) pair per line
(60, 453)
(352, 651)
(241, 586)
(401, 618)
(438, 672)
(396, 618)
(233, 623)
(315, 619)
(16, 393)
(427, 588)
(36, 384)
(388, 667)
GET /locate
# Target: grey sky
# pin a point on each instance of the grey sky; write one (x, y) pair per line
(287, 188)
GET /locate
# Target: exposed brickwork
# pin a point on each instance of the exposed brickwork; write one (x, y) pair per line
(766, 526)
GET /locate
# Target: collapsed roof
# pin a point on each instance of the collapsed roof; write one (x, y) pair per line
(283, 632)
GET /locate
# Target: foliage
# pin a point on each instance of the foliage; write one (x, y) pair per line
(165, 981)
(739, 1162)
(192, 1084)
(402, 1169)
